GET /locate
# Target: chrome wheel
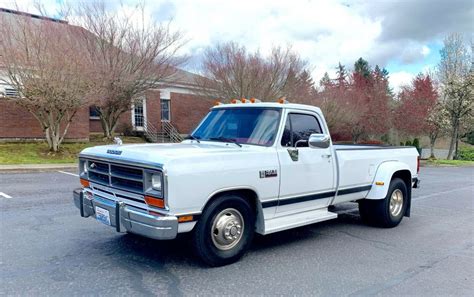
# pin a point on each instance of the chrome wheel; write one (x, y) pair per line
(396, 203)
(227, 229)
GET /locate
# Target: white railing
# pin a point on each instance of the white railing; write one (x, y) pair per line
(167, 133)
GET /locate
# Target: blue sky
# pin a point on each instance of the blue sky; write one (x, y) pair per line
(403, 36)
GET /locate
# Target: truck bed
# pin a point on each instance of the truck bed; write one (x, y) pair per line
(358, 164)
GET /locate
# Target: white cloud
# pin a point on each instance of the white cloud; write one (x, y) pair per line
(323, 32)
(425, 51)
(399, 79)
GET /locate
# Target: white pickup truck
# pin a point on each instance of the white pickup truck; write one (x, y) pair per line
(246, 168)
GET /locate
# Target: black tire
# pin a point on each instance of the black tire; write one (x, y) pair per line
(378, 212)
(204, 244)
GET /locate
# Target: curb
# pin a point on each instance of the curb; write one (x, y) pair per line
(36, 167)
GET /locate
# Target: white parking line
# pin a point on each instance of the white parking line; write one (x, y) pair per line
(5, 195)
(69, 173)
(440, 193)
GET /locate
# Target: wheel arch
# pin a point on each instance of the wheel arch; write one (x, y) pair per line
(384, 175)
(248, 194)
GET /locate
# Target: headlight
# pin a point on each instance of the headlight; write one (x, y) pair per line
(82, 167)
(156, 181)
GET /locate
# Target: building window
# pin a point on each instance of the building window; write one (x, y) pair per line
(94, 112)
(165, 109)
(138, 114)
(11, 92)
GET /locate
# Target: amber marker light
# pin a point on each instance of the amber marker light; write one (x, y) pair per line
(156, 202)
(185, 219)
(217, 102)
(254, 100)
(379, 183)
(282, 100)
(85, 183)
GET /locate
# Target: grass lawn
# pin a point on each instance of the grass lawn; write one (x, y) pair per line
(449, 163)
(38, 153)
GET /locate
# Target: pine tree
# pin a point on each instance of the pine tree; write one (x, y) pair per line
(362, 67)
(341, 76)
(325, 82)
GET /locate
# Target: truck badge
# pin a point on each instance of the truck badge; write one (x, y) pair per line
(268, 173)
(114, 152)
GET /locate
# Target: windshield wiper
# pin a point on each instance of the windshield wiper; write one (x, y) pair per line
(224, 139)
(190, 136)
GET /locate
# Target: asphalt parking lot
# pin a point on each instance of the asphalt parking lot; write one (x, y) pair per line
(48, 249)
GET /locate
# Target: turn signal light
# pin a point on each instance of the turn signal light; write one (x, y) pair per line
(85, 183)
(185, 219)
(156, 202)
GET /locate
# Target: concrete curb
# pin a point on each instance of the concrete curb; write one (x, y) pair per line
(37, 167)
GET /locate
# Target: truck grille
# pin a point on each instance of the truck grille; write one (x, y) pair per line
(116, 176)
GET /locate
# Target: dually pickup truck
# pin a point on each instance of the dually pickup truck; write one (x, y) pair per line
(246, 168)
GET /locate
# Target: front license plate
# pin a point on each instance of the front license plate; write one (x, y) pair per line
(102, 215)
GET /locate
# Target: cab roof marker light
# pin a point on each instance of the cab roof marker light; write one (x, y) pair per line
(244, 100)
(254, 100)
(235, 101)
(217, 102)
(282, 100)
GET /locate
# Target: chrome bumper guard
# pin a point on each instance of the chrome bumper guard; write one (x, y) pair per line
(127, 218)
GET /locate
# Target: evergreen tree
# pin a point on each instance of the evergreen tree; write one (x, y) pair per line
(325, 82)
(362, 67)
(341, 76)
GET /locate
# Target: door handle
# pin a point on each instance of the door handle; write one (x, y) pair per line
(326, 156)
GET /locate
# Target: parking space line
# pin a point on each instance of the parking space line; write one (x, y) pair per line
(440, 193)
(69, 173)
(5, 195)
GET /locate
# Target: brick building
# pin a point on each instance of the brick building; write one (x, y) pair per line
(173, 104)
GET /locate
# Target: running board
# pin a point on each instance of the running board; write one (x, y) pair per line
(298, 219)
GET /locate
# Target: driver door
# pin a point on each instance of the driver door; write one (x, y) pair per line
(307, 174)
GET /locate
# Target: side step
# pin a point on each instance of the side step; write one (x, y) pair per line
(298, 219)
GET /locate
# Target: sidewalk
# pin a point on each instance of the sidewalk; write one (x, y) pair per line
(37, 167)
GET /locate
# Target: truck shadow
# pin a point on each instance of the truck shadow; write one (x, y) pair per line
(137, 251)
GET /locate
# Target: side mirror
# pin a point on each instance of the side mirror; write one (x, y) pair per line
(319, 141)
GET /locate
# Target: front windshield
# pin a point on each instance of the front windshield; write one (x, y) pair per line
(256, 126)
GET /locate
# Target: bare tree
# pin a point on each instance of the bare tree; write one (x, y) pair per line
(43, 60)
(128, 58)
(455, 72)
(231, 71)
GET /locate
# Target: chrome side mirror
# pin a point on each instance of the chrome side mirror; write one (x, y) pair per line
(319, 141)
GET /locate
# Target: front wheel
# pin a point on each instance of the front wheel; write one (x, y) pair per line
(387, 212)
(225, 230)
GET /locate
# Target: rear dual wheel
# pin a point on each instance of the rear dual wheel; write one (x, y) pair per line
(387, 212)
(225, 230)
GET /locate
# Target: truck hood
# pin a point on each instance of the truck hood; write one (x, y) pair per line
(156, 155)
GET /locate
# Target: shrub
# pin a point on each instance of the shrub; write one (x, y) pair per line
(466, 153)
(408, 143)
(126, 129)
(470, 137)
(416, 143)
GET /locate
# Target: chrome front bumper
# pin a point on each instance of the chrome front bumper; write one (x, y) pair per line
(127, 218)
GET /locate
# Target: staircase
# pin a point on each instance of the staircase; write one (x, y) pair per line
(167, 133)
